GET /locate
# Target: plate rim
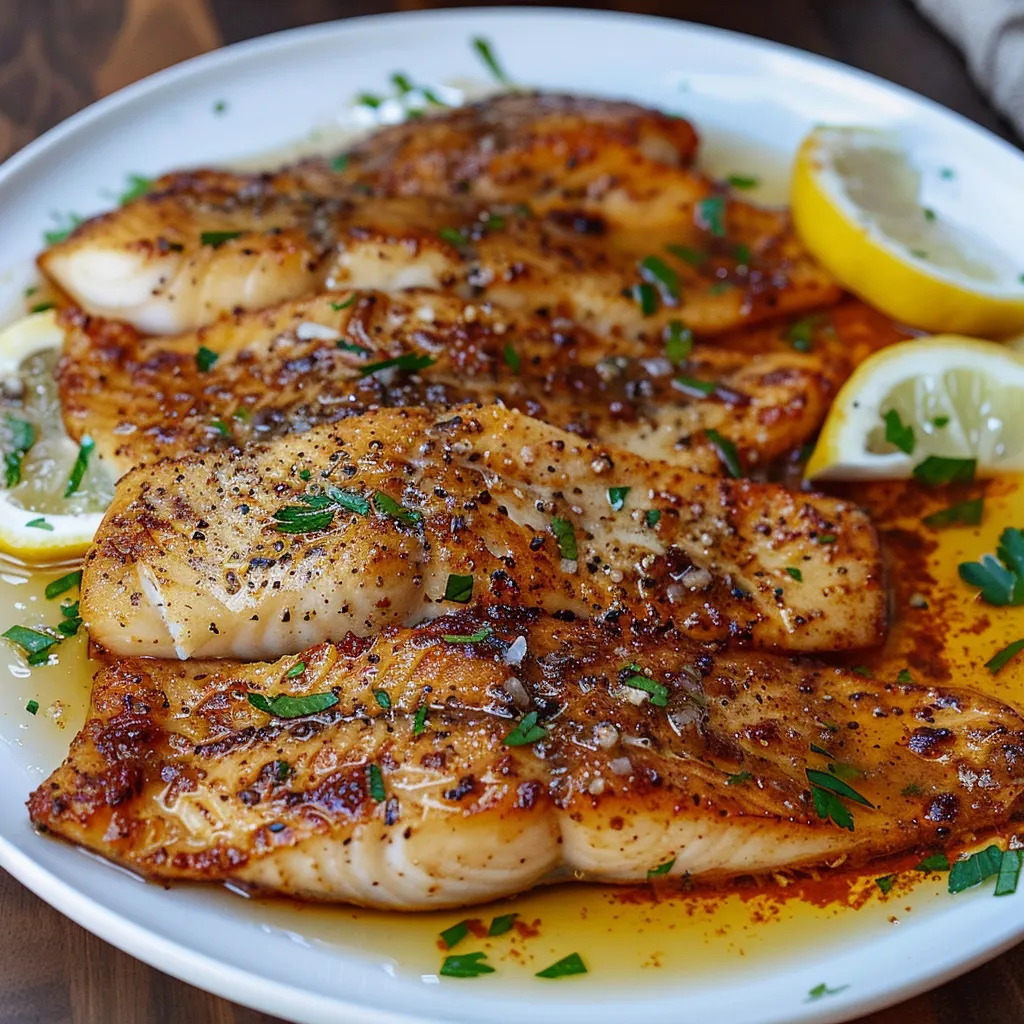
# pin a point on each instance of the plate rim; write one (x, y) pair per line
(248, 987)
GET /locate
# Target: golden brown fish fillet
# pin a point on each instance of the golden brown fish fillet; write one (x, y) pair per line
(172, 262)
(262, 551)
(405, 792)
(281, 370)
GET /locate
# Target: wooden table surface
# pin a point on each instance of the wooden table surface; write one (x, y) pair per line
(56, 56)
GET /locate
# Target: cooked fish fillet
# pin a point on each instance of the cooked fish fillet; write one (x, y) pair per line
(172, 262)
(542, 201)
(406, 794)
(214, 555)
(280, 370)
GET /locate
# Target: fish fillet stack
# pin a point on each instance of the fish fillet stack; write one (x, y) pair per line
(470, 437)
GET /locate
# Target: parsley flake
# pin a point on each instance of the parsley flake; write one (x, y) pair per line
(678, 341)
(710, 215)
(419, 722)
(652, 516)
(23, 436)
(932, 863)
(376, 784)
(458, 588)
(899, 433)
(284, 706)
(656, 271)
(465, 965)
(617, 497)
(565, 534)
(646, 298)
(410, 362)
(138, 186)
(511, 357)
(937, 470)
(726, 452)
(215, 239)
(482, 634)
(661, 869)
(694, 257)
(964, 874)
(32, 707)
(387, 506)
(966, 513)
(454, 935)
(739, 778)
(795, 573)
(1000, 579)
(822, 990)
(638, 681)
(526, 732)
(1003, 657)
(501, 925)
(568, 965)
(743, 181)
(85, 448)
(885, 883)
(486, 54)
(40, 524)
(205, 358)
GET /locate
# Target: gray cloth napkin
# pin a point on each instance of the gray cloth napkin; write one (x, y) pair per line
(991, 35)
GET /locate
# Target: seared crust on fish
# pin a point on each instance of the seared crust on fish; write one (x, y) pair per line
(208, 555)
(406, 792)
(289, 367)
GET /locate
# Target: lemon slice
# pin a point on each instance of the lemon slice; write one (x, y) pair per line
(857, 205)
(38, 524)
(960, 397)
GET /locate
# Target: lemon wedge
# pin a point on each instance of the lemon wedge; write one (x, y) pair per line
(945, 396)
(895, 235)
(39, 522)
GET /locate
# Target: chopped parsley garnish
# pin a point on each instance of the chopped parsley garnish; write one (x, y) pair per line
(726, 452)
(33, 642)
(42, 307)
(339, 306)
(661, 869)
(458, 588)
(720, 287)
(296, 670)
(800, 334)
(454, 935)
(304, 474)
(911, 789)
(350, 346)
(646, 297)
(215, 239)
(387, 506)
(284, 706)
(565, 534)
(318, 510)
(742, 254)
(940, 421)
(1003, 657)
(526, 732)
(966, 513)
(40, 524)
(862, 670)
(1000, 579)
(465, 965)
(85, 447)
(511, 357)
(933, 862)
(885, 883)
(220, 106)
(694, 257)
(138, 186)
(822, 990)
(453, 236)
(500, 925)
(678, 341)
(946, 173)
(368, 99)
(964, 874)
(482, 634)
(68, 222)
(220, 427)
(739, 778)
(898, 433)
(483, 48)
(205, 358)
(711, 215)
(826, 538)
(904, 676)
(339, 163)
(568, 965)
(826, 790)
(32, 707)
(937, 470)
(743, 181)
(652, 516)
(61, 586)
(695, 388)
(639, 681)
(376, 784)
(795, 573)
(419, 721)
(23, 436)
(656, 271)
(410, 362)
(1009, 873)
(617, 497)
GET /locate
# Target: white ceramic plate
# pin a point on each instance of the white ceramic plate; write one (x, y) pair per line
(280, 90)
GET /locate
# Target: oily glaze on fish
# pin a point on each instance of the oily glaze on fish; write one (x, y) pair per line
(172, 262)
(287, 368)
(406, 793)
(202, 555)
